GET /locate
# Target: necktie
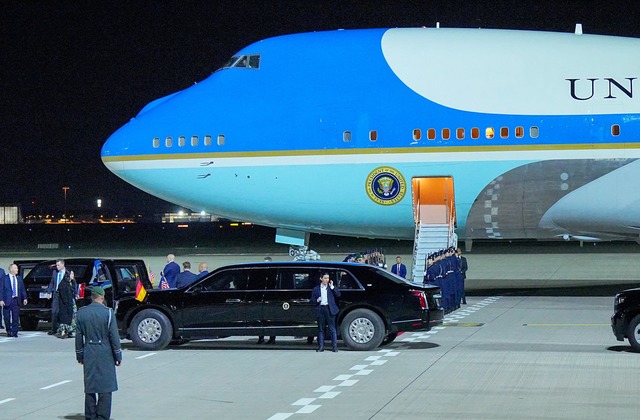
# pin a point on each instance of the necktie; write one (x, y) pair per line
(14, 286)
(59, 279)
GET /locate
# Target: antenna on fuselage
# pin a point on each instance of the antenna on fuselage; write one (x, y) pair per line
(578, 29)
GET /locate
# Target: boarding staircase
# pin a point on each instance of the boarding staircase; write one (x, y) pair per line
(434, 216)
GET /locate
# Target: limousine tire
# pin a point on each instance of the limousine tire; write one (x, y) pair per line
(151, 330)
(362, 329)
(633, 333)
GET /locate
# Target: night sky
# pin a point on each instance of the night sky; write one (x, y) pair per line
(73, 72)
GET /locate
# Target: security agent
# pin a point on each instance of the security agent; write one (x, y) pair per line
(98, 350)
(324, 295)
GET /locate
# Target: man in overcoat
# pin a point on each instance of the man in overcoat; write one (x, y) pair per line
(324, 296)
(98, 350)
(58, 275)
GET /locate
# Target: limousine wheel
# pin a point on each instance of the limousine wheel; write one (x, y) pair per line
(362, 329)
(633, 333)
(151, 330)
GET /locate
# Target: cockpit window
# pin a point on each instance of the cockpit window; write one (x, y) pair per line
(243, 61)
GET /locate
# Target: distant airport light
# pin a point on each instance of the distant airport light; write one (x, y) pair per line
(183, 226)
(202, 213)
(99, 202)
(181, 213)
(234, 224)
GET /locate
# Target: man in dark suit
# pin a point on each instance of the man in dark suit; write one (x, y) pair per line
(186, 277)
(98, 351)
(2, 273)
(463, 272)
(399, 269)
(324, 295)
(13, 295)
(58, 275)
(171, 270)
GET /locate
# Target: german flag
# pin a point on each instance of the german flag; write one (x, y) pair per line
(141, 292)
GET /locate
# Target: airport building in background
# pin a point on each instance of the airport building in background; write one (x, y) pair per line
(10, 214)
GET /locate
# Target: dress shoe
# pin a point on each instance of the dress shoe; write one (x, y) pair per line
(321, 349)
(51, 332)
(260, 340)
(335, 349)
(70, 335)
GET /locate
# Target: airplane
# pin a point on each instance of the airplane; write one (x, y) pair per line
(526, 134)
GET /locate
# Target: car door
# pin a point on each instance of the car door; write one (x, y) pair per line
(287, 307)
(216, 305)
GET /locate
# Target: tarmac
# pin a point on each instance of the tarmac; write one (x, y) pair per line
(498, 357)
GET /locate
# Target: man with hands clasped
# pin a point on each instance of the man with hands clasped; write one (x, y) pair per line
(324, 295)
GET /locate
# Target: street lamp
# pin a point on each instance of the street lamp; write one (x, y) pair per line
(65, 189)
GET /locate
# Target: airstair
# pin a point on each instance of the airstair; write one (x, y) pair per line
(435, 219)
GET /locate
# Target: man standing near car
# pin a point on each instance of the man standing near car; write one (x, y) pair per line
(186, 277)
(98, 351)
(13, 295)
(2, 273)
(324, 295)
(399, 269)
(58, 275)
(171, 270)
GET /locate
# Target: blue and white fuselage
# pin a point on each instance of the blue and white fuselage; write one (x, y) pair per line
(539, 131)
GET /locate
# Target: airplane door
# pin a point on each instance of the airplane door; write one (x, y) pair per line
(433, 200)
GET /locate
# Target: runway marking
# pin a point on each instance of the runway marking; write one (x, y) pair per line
(56, 384)
(145, 355)
(379, 359)
(6, 400)
(566, 325)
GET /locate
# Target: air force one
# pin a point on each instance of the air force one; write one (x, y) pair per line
(504, 134)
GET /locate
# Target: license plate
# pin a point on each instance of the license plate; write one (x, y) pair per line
(44, 295)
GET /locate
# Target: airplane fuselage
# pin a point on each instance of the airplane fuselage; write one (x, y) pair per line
(324, 132)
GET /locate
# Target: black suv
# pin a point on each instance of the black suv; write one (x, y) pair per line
(275, 299)
(625, 320)
(118, 277)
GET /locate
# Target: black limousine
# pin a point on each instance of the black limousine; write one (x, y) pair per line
(625, 320)
(275, 299)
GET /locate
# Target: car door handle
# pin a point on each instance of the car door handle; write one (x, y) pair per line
(233, 301)
(301, 300)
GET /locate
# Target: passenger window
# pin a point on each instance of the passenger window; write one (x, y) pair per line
(504, 132)
(446, 133)
(615, 130)
(460, 133)
(168, 142)
(431, 134)
(346, 136)
(489, 133)
(519, 132)
(534, 132)
(296, 278)
(346, 281)
(220, 139)
(194, 141)
(373, 135)
(475, 133)
(226, 280)
(156, 142)
(207, 140)
(258, 278)
(181, 141)
(417, 134)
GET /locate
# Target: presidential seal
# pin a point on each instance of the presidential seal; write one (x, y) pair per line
(385, 186)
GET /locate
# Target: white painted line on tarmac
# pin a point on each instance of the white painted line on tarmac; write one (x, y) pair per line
(6, 400)
(145, 355)
(56, 384)
(280, 416)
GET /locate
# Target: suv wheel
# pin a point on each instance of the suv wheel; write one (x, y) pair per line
(151, 330)
(28, 323)
(633, 333)
(362, 329)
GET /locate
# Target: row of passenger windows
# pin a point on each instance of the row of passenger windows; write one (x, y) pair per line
(182, 141)
(474, 133)
(431, 134)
